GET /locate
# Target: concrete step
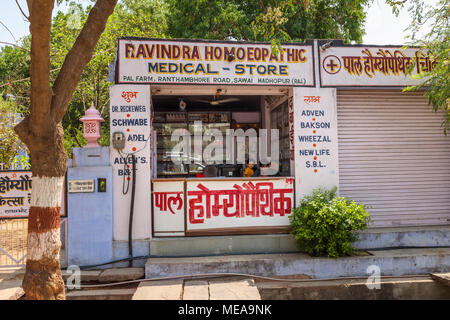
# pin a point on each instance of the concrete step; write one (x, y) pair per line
(85, 275)
(431, 236)
(404, 288)
(106, 275)
(423, 236)
(101, 294)
(121, 274)
(12, 273)
(390, 262)
(443, 278)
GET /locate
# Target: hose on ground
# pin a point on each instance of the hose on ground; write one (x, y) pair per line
(234, 274)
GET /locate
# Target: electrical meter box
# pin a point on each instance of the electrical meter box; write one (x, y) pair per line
(118, 140)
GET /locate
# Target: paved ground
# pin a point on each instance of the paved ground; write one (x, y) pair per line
(10, 282)
(234, 288)
(200, 289)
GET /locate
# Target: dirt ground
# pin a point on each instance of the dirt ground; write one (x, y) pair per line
(13, 234)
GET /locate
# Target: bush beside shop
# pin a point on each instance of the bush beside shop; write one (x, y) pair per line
(325, 224)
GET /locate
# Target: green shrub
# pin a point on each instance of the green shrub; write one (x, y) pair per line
(325, 225)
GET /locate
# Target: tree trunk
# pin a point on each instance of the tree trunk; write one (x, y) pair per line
(43, 134)
(43, 279)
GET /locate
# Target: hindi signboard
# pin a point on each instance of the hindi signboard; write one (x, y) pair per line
(15, 194)
(226, 63)
(315, 140)
(130, 115)
(233, 206)
(365, 66)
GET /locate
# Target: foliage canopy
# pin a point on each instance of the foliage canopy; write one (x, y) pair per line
(259, 20)
(12, 150)
(436, 41)
(268, 20)
(132, 18)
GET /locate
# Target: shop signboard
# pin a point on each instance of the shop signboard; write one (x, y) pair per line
(130, 117)
(315, 140)
(238, 206)
(365, 66)
(15, 194)
(204, 63)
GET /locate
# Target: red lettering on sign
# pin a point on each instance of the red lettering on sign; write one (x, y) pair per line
(128, 95)
(165, 200)
(260, 199)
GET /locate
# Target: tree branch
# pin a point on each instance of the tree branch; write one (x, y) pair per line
(8, 31)
(20, 80)
(79, 56)
(20, 8)
(14, 45)
(103, 107)
(262, 5)
(72, 131)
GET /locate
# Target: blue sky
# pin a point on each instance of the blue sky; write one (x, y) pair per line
(382, 27)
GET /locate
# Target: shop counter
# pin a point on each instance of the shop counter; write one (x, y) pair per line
(221, 206)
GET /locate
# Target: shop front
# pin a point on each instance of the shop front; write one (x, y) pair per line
(211, 127)
(227, 137)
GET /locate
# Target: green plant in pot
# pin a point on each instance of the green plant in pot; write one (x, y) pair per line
(325, 224)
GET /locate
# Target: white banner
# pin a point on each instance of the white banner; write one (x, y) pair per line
(371, 66)
(226, 63)
(130, 114)
(315, 140)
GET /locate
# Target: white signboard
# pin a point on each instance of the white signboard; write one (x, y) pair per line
(371, 66)
(130, 113)
(168, 208)
(315, 140)
(231, 206)
(77, 186)
(225, 63)
(15, 194)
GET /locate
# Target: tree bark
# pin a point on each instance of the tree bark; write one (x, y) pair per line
(43, 134)
(43, 279)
